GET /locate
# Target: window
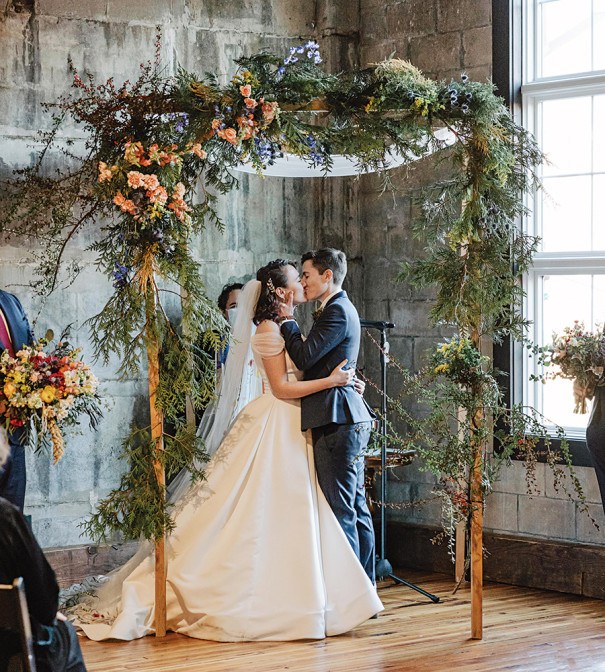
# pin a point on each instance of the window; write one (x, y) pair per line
(563, 103)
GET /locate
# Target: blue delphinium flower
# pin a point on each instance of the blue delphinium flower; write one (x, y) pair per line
(182, 123)
(120, 275)
(312, 49)
(315, 151)
(266, 150)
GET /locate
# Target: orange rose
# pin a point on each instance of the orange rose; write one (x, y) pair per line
(198, 151)
(228, 134)
(250, 102)
(245, 90)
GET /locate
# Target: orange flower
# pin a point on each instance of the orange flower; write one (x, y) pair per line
(119, 199)
(269, 111)
(245, 90)
(198, 151)
(151, 182)
(179, 190)
(136, 179)
(154, 153)
(228, 134)
(105, 173)
(216, 123)
(159, 195)
(248, 133)
(250, 102)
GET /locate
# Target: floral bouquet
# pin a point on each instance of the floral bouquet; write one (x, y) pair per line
(47, 391)
(579, 356)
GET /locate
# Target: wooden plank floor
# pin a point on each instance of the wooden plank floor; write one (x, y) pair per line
(524, 631)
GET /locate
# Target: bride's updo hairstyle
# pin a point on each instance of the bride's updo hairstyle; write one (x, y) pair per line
(271, 276)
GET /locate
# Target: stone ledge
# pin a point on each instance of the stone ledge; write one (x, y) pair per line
(75, 563)
(535, 563)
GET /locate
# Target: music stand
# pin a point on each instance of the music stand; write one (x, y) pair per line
(384, 568)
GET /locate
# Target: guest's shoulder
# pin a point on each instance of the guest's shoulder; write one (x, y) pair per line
(8, 511)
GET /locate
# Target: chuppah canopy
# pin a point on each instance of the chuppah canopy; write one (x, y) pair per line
(291, 165)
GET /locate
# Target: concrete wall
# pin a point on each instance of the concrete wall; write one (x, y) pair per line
(265, 218)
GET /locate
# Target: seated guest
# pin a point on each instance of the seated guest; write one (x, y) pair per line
(56, 645)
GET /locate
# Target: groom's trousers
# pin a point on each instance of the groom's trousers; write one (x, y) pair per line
(339, 461)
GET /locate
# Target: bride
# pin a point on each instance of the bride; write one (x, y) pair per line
(257, 553)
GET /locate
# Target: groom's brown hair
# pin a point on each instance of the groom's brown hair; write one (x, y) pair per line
(328, 257)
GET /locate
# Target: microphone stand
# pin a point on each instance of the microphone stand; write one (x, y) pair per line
(384, 568)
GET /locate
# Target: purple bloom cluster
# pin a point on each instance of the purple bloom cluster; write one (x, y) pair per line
(315, 150)
(312, 49)
(266, 150)
(182, 120)
(120, 275)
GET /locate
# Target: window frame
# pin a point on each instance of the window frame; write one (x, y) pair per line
(513, 67)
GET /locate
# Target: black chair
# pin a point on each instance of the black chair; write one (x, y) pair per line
(15, 628)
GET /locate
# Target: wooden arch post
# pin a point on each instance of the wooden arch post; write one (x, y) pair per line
(157, 437)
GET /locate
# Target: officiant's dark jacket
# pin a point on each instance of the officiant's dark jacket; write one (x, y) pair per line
(335, 336)
(12, 475)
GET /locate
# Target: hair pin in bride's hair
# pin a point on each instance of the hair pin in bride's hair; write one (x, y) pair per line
(270, 286)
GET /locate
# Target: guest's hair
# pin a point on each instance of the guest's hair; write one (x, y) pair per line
(224, 295)
(271, 276)
(4, 449)
(328, 258)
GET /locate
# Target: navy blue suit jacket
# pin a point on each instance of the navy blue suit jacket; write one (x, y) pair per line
(335, 336)
(21, 335)
(16, 319)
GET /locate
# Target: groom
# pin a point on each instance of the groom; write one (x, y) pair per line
(339, 417)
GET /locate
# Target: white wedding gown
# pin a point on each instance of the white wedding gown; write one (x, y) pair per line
(257, 553)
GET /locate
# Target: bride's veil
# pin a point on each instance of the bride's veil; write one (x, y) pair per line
(238, 387)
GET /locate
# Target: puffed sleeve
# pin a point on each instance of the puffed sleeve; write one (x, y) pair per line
(268, 345)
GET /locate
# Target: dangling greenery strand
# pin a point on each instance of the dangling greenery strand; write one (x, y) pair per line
(147, 158)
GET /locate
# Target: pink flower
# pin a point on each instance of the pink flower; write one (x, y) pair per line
(179, 190)
(250, 102)
(136, 179)
(105, 173)
(159, 195)
(151, 182)
(269, 111)
(245, 90)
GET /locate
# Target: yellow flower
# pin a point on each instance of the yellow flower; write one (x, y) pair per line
(48, 394)
(9, 390)
(442, 368)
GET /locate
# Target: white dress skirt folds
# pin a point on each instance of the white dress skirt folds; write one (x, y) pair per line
(257, 553)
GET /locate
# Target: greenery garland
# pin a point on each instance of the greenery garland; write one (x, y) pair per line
(155, 151)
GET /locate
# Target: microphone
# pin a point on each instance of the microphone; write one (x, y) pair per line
(376, 324)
